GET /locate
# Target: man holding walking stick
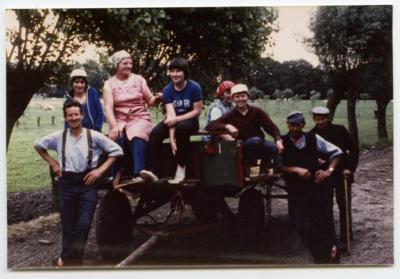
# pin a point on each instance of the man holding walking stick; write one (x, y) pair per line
(344, 174)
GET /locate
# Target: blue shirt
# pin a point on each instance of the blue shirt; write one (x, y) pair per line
(183, 100)
(76, 149)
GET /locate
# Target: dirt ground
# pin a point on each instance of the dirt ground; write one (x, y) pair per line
(34, 243)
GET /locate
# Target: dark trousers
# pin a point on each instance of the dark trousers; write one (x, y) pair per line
(183, 130)
(338, 183)
(258, 148)
(311, 213)
(77, 206)
(137, 150)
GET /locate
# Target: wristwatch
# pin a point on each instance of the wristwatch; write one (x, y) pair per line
(331, 169)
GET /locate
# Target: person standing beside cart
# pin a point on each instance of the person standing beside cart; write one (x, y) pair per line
(88, 97)
(78, 151)
(309, 188)
(339, 136)
(125, 98)
(183, 102)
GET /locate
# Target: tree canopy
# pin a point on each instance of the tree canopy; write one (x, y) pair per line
(355, 44)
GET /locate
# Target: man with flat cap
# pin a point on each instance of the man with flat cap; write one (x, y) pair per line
(339, 136)
(309, 188)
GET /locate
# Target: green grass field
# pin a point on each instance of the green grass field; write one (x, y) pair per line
(27, 171)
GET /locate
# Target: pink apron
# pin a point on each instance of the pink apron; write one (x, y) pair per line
(129, 106)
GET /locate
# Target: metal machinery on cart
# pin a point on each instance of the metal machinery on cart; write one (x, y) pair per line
(216, 171)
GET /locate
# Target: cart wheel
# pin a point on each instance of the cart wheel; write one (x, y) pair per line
(250, 219)
(114, 226)
(204, 206)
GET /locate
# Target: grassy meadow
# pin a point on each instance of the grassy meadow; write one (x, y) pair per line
(27, 171)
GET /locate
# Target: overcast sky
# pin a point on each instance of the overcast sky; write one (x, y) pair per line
(293, 28)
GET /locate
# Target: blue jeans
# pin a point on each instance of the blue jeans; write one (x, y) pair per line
(77, 206)
(137, 149)
(258, 148)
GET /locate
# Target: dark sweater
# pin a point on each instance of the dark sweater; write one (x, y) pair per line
(249, 125)
(339, 136)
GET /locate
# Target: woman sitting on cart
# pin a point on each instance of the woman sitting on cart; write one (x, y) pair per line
(125, 98)
(247, 123)
(183, 102)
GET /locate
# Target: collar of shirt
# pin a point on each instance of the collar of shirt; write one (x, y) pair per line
(300, 143)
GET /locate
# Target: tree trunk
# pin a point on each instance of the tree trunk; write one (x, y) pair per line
(21, 85)
(381, 118)
(333, 102)
(352, 95)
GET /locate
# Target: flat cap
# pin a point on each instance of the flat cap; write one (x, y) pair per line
(295, 117)
(320, 110)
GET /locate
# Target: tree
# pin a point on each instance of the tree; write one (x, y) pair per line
(351, 41)
(299, 75)
(40, 45)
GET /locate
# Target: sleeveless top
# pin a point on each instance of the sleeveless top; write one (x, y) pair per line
(306, 157)
(130, 109)
(223, 109)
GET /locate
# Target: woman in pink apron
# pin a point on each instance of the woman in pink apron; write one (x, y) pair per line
(125, 98)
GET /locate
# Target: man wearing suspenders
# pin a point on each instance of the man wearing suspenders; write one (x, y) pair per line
(78, 151)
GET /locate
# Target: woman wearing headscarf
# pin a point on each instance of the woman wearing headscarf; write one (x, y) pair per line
(88, 97)
(125, 98)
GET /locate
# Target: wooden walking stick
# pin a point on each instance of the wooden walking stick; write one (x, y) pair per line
(346, 199)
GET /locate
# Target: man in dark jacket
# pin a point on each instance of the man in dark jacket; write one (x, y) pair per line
(309, 188)
(339, 136)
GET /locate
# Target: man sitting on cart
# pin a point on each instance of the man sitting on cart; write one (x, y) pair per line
(247, 123)
(310, 188)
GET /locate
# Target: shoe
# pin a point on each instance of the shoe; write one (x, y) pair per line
(148, 176)
(57, 262)
(180, 172)
(335, 255)
(179, 175)
(137, 179)
(174, 181)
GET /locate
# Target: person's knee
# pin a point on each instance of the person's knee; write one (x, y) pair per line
(183, 131)
(254, 141)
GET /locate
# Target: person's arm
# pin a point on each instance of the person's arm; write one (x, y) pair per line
(150, 99)
(113, 132)
(270, 127)
(352, 152)
(49, 142)
(172, 120)
(113, 150)
(50, 160)
(325, 147)
(95, 174)
(99, 114)
(174, 147)
(300, 172)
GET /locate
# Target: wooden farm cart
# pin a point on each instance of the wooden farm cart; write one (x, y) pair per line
(216, 171)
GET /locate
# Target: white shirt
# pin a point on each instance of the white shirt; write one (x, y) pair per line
(76, 149)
